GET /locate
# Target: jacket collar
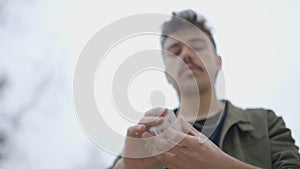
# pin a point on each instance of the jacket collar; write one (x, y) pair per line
(235, 116)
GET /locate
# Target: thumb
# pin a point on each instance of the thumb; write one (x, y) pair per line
(189, 129)
(146, 135)
(186, 127)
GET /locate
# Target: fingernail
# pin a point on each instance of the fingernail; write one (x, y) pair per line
(140, 127)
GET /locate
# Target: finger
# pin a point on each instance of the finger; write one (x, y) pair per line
(159, 144)
(155, 144)
(148, 145)
(188, 128)
(147, 135)
(136, 130)
(157, 112)
(151, 121)
(179, 138)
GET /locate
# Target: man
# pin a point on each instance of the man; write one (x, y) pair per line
(222, 135)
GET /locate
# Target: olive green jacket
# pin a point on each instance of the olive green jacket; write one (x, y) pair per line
(258, 137)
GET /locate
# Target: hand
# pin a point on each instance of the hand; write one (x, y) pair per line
(193, 150)
(135, 155)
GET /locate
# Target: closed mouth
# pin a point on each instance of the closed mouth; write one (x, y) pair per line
(193, 67)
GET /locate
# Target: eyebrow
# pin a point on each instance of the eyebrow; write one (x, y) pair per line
(197, 40)
(190, 40)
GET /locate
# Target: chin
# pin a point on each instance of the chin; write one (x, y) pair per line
(189, 89)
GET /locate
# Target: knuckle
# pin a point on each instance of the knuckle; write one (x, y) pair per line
(147, 120)
(155, 111)
(131, 129)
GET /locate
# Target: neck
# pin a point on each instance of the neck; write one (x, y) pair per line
(208, 103)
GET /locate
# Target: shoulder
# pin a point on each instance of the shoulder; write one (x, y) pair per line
(258, 118)
(251, 114)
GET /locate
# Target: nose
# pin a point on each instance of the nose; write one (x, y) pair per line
(186, 54)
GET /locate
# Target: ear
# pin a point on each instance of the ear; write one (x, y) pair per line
(219, 65)
(219, 62)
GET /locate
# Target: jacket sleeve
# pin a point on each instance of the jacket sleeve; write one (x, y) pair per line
(115, 162)
(284, 152)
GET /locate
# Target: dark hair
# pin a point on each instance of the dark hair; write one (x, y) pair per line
(178, 22)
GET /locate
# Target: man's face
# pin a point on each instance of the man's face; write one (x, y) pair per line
(191, 56)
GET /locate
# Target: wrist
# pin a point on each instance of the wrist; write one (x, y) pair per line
(120, 164)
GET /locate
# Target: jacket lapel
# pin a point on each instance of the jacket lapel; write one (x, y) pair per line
(235, 116)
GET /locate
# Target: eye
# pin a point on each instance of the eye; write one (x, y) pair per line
(177, 52)
(197, 49)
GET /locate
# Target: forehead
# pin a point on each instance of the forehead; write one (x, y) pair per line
(185, 36)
